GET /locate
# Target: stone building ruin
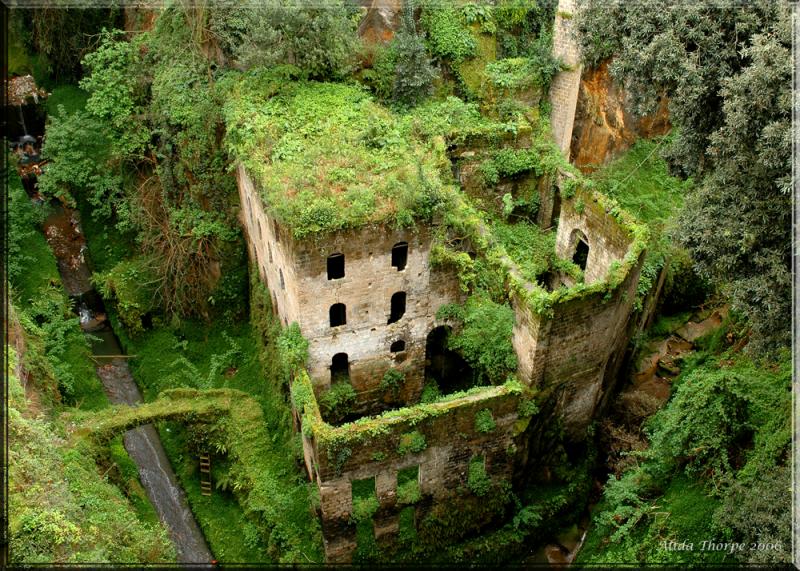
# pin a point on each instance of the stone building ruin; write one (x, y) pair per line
(366, 296)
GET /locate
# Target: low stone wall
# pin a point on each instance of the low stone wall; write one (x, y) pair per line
(440, 439)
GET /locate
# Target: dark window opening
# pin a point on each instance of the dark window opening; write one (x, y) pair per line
(398, 346)
(444, 368)
(277, 231)
(260, 235)
(269, 249)
(338, 314)
(340, 368)
(581, 254)
(400, 255)
(283, 284)
(335, 266)
(398, 306)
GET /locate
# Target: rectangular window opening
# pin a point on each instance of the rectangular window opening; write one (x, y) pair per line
(335, 266)
(400, 255)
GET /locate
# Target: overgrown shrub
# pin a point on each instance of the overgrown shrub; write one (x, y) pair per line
(337, 402)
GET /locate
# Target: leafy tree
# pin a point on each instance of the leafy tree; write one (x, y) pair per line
(726, 68)
(414, 73)
(65, 34)
(319, 38)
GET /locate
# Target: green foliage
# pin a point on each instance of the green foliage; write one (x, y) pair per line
(64, 34)
(337, 402)
(31, 264)
(449, 37)
(412, 442)
(408, 491)
(518, 74)
(484, 421)
(414, 75)
(757, 513)
(392, 381)
(60, 508)
(337, 159)
(364, 509)
(430, 392)
(732, 112)
(407, 532)
(365, 500)
(477, 480)
(293, 349)
(726, 427)
(79, 168)
(320, 40)
(130, 284)
(527, 407)
(71, 97)
(484, 336)
(640, 181)
(508, 163)
(531, 248)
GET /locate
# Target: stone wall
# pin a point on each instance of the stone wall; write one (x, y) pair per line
(575, 347)
(306, 295)
(608, 241)
(452, 441)
(566, 84)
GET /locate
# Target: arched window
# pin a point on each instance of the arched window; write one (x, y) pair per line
(398, 306)
(335, 266)
(400, 255)
(340, 368)
(398, 346)
(580, 248)
(338, 314)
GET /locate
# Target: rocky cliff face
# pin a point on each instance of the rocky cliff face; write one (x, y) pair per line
(604, 127)
(381, 20)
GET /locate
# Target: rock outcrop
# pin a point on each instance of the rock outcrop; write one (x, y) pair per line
(604, 127)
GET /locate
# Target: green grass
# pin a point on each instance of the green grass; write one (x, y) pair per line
(219, 515)
(72, 97)
(529, 246)
(640, 182)
(107, 245)
(129, 482)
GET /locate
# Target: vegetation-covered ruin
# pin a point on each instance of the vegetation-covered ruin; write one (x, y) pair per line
(359, 283)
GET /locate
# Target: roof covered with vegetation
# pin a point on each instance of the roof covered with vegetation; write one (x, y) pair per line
(325, 156)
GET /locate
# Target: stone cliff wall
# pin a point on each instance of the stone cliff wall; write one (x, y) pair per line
(604, 127)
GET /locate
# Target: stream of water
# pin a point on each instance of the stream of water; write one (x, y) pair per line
(64, 235)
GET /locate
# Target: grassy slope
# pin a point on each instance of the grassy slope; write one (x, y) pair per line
(640, 182)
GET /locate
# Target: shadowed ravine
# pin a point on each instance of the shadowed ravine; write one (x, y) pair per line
(65, 238)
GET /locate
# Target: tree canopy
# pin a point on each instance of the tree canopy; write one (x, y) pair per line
(726, 68)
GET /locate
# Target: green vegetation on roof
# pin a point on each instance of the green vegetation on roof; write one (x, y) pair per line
(325, 156)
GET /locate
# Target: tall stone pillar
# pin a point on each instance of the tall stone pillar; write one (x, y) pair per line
(566, 84)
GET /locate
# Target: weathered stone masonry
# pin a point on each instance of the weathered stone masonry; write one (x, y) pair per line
(295, 271)
(569, 348)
